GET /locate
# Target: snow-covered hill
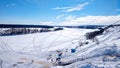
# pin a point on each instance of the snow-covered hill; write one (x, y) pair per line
(41, 50)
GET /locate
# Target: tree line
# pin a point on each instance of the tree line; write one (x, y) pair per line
(16, 31)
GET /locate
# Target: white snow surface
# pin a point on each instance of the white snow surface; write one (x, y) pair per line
(33, 50)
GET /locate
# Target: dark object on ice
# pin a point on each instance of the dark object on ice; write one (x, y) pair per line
(58, 59)
(86, 42)
(73, 50)
(64, 64)
(59, 56)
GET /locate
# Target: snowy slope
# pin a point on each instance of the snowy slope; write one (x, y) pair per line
(106, 54)
(32, 50)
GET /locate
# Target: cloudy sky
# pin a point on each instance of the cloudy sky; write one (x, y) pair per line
(59, 12)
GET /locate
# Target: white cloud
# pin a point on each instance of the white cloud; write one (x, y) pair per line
(59, 16)
(69, 18)
(86, 20)
(91, 20)
(61, 8)
(72, 8)
(77, 7)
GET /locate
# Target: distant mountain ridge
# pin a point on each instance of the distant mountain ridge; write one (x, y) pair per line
(48, 26)
(23, 26)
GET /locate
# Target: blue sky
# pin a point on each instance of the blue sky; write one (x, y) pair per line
(56, 11)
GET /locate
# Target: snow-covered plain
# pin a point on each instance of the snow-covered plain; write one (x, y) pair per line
(33, 50)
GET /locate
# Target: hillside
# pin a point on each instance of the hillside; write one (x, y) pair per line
(40, 50)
